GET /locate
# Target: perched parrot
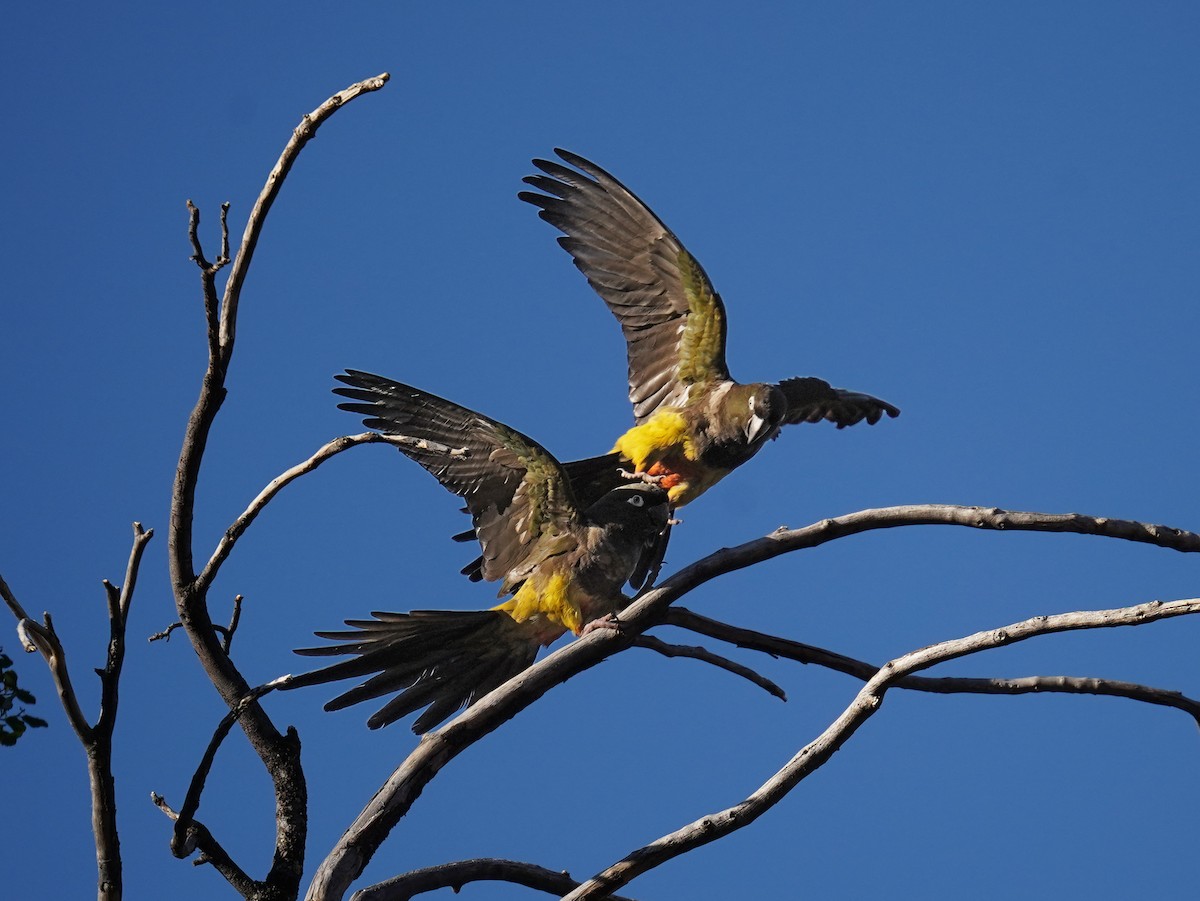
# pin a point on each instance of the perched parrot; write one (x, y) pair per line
(563, 562)
(693, 423)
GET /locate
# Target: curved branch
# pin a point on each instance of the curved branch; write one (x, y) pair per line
(362, 838)
(805, 653)
(706, 656)
(457, 874)
(277, 484)
(280, 753)
(199, 837)
(865, 704)
(783, 539)
(183, 837)
(302, 134)
(44, 640)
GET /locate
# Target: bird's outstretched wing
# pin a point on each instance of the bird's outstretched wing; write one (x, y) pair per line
(673, 319)
(812, 399)
(516, 491)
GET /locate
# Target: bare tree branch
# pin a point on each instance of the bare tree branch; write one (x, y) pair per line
(303, 133)
(165, 634)
(181, 841)
(211, 852)
(227, 632)
(461, 872)
(358, 844)
(277, 484)
(280, 753)
(44, 640)
(784, 539)
(706, 656)
(804, 653)
(97, 739)
(869, 699)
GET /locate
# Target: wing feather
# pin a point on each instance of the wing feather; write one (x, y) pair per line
(515, 490)
(812, 399)
(672, 318)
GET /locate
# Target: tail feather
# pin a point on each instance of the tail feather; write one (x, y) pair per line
(442, 659)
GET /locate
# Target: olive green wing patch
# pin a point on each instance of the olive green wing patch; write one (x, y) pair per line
(672, 318)
(515, 490)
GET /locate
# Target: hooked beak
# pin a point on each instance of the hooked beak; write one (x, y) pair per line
(757, 429)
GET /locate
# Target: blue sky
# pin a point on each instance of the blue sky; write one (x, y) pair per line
(987, 214)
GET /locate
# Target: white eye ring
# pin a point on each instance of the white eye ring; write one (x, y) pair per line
(637, 500)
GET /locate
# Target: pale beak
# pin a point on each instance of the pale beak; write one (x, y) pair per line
(757, 428)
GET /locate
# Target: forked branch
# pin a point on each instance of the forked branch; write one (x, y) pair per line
(96, 739)
(860, 669)
(868, 700)
(280, 753)
(393, 800)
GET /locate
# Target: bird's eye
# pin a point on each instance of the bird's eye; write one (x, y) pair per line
(637, 500)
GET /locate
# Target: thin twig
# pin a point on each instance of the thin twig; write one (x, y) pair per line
(208, 284)
(706, 656)
(804, 653)
(277, 484)
(13, 604)
(461, 872)
(869, 699)
(223, 259)
(181, 841)
(303, 133)
(165, 634)
(231, 629)
(212, 853)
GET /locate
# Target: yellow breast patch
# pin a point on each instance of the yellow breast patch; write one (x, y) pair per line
(547, 596)
(662, 435)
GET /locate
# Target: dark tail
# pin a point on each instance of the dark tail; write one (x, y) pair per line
(591, 479)
(443, 659)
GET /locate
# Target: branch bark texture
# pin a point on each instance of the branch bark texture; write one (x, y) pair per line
(868, 700)
(280, 753)
(358, 844)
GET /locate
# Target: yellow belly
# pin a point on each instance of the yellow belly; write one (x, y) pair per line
(663, 434)
(663, 446)
(550, 600)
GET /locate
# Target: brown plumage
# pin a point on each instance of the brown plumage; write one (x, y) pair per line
(693, 423)
(563, 563)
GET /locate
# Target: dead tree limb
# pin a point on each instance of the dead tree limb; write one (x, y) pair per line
(868, 700)
(362, 838)
(461, 872)
(96, 739)
(706, 656)
(277, 484)
(860, 669)
(280, 753)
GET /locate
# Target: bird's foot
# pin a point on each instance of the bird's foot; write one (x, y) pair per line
(642, 477)
(608, 621)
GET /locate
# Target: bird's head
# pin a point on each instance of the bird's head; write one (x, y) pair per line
(641, 506)
(766, 408)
